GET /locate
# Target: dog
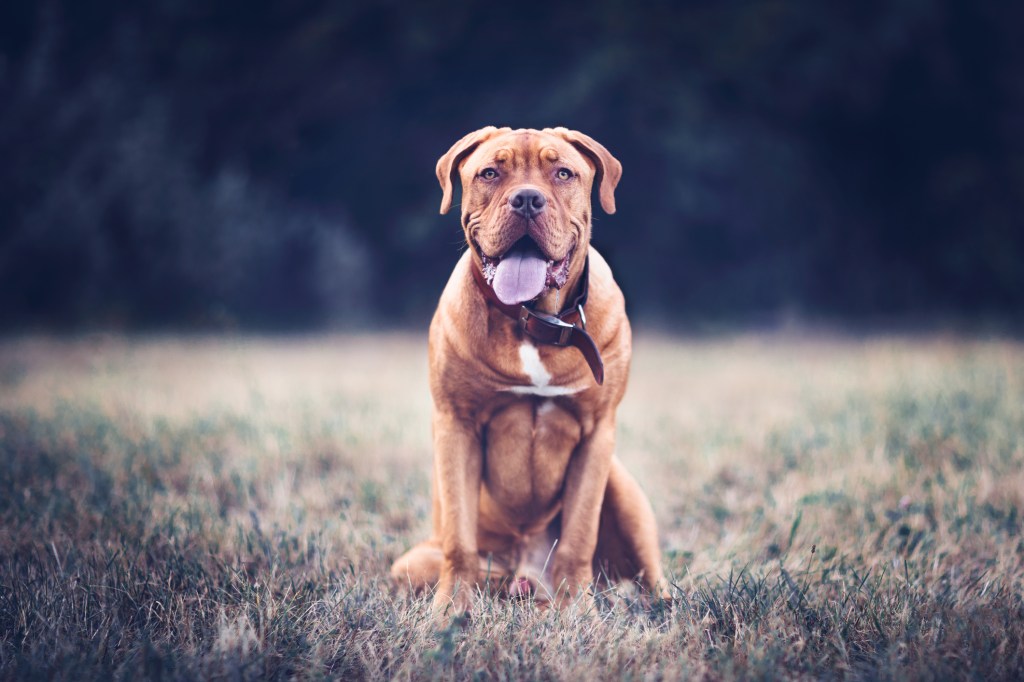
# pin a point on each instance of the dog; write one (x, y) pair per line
(529, 354)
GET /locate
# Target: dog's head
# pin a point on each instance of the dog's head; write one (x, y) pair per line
(526, 203)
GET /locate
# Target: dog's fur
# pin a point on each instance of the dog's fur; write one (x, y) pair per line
(527, 489)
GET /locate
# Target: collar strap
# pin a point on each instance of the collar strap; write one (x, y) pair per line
(568, 328)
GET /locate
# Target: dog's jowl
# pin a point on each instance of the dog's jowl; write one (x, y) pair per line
(529, 357)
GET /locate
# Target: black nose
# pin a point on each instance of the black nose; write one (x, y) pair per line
(527, 202)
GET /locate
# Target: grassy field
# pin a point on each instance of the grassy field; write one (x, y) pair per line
(831, 507)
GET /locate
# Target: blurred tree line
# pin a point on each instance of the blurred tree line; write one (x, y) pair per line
(270, 164)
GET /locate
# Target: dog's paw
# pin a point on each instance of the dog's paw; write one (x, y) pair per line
(449, 604)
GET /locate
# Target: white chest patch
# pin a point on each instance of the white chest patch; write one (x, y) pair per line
(545, 407)
(538, 375)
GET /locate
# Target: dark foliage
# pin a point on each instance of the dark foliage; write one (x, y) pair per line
(269, 164)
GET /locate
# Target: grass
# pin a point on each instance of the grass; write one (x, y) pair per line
(199, 508)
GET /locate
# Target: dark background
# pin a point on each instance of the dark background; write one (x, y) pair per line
(256, 165)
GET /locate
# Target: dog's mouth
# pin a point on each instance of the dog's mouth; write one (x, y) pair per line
(523, 272)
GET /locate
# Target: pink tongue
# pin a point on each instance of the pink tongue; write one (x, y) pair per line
(520, 275)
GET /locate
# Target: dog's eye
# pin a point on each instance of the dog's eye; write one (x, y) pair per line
(488, 174)
(564, 173)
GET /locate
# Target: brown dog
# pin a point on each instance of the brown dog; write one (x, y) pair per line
(527, 490)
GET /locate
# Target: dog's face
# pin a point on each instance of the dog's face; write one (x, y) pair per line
(526, 196)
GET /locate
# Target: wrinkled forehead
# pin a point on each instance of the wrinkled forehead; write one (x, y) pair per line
(526, 148)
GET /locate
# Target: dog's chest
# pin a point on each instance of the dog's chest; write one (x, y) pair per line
(526, 371)
(528, 444)
(539, 380)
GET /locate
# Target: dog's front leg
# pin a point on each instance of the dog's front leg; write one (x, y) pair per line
(585, 484)
(458, 460)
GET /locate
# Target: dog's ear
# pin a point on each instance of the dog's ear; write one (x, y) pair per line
(609, 170)
(448, 165)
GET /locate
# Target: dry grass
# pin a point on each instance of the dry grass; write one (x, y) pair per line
(202, 508)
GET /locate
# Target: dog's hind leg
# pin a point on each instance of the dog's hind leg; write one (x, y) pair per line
(420, 567)
(627, 542)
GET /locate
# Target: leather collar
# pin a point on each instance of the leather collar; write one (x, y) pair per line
(568, 328)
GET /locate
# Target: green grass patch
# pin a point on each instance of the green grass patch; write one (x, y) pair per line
(229, 509)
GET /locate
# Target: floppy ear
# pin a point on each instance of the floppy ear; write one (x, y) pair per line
(609, 170)
(448, 165)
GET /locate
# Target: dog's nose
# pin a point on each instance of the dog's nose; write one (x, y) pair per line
(527, 202)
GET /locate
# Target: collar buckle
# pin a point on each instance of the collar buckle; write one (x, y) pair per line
(550, 321)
